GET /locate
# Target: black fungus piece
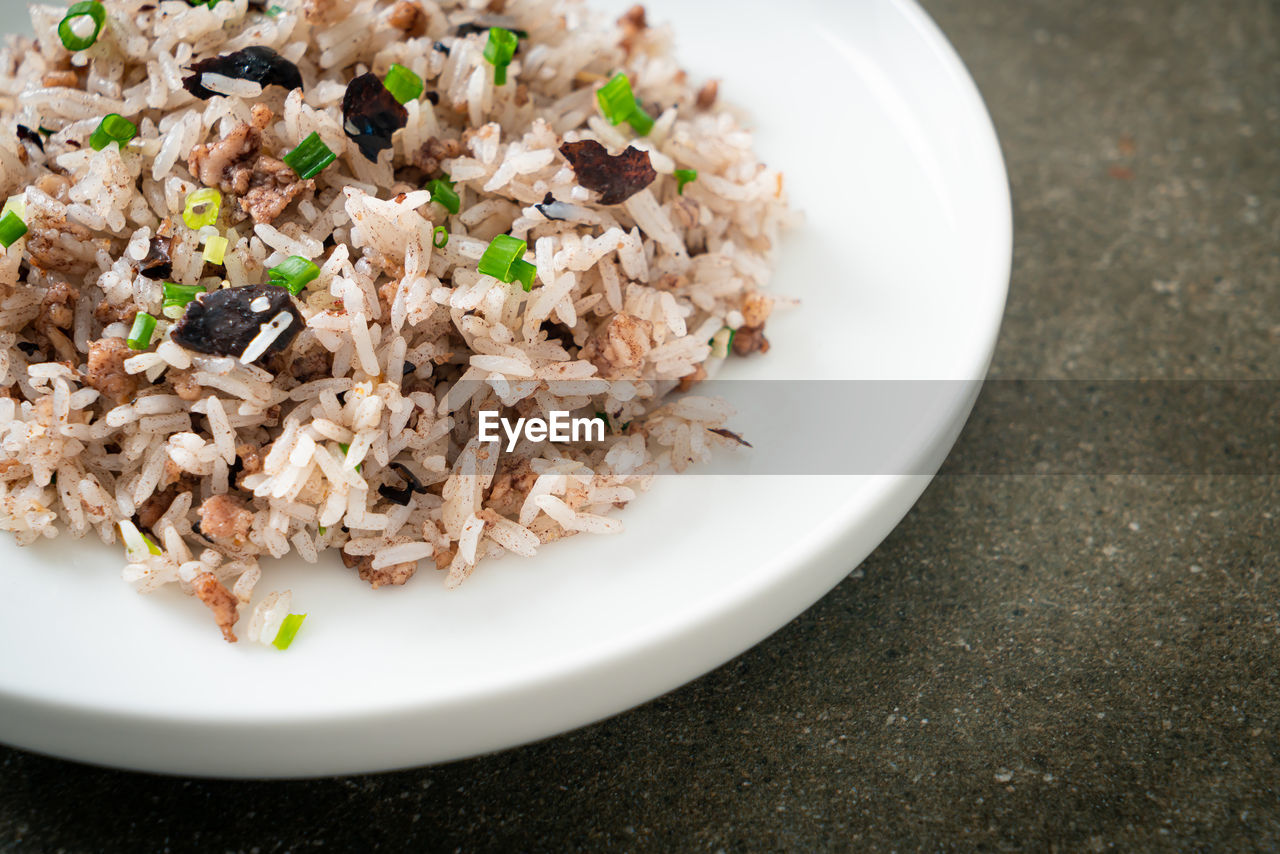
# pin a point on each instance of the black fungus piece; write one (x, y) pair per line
(551, 209)
(224, 322)
(615, 177)
(488, 22)
(729, 434)
(401, 496)
(26, 134)
(371, 114)
(434, 98)
(157, 264)
(235, 469)
(440, 47)
(409, 367)
(28, 348)
(560, 334)
(258, 63)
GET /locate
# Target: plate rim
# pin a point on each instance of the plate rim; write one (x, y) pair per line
(827, 554)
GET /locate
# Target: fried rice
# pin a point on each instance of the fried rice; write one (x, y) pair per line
(262, 415)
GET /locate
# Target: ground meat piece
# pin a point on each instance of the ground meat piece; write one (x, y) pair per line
(106, 370)
(444, 557)
(429, 156)
(54, 185)
(225, 517)
(172, 474)
(444, 149)
(707, 95)
(260, 115)
(272, 187)
(185, 385)
(314, 364)
(621, 346)
(218, 599)
(317, 11)
(511, 485)
(391, 576)
(154, 507)
(408, 17)
(632, 24)
(58, 306)
(387, 295)
(688, 381)
(68, 79)
(107, 313)
(46, 248)
(685, 212)
(750, 339)
(228, 163)
(756, 308)
(250, 458)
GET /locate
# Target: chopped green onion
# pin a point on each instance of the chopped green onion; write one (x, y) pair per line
(112, 128)
(311, 156)
(345, 447)
(499, 257)
(293, 273)
(499, 50)
(176, 298)
(442, 192)
(274, 11)
(44, 130)
(140, 336)
(524, 272)
(215, 249)
(90, 8)
(402, 83)
(137, 545)
(640, 121)
(722, 343)
(321, 529)
(440, 237)
(288, 630)
(17, 204)
(202, 208)
(617, 102)
(684, 176)
(11, 229)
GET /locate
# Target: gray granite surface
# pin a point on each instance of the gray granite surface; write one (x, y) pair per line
(1078, 663)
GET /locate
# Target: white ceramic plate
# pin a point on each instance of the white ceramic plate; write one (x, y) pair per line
(902, 266)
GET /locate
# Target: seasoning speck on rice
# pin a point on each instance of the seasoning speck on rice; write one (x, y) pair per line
(267, 319)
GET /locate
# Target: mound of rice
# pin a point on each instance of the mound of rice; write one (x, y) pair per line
(362, 434)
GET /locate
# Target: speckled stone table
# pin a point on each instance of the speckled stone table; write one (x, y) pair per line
(1027, 662)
